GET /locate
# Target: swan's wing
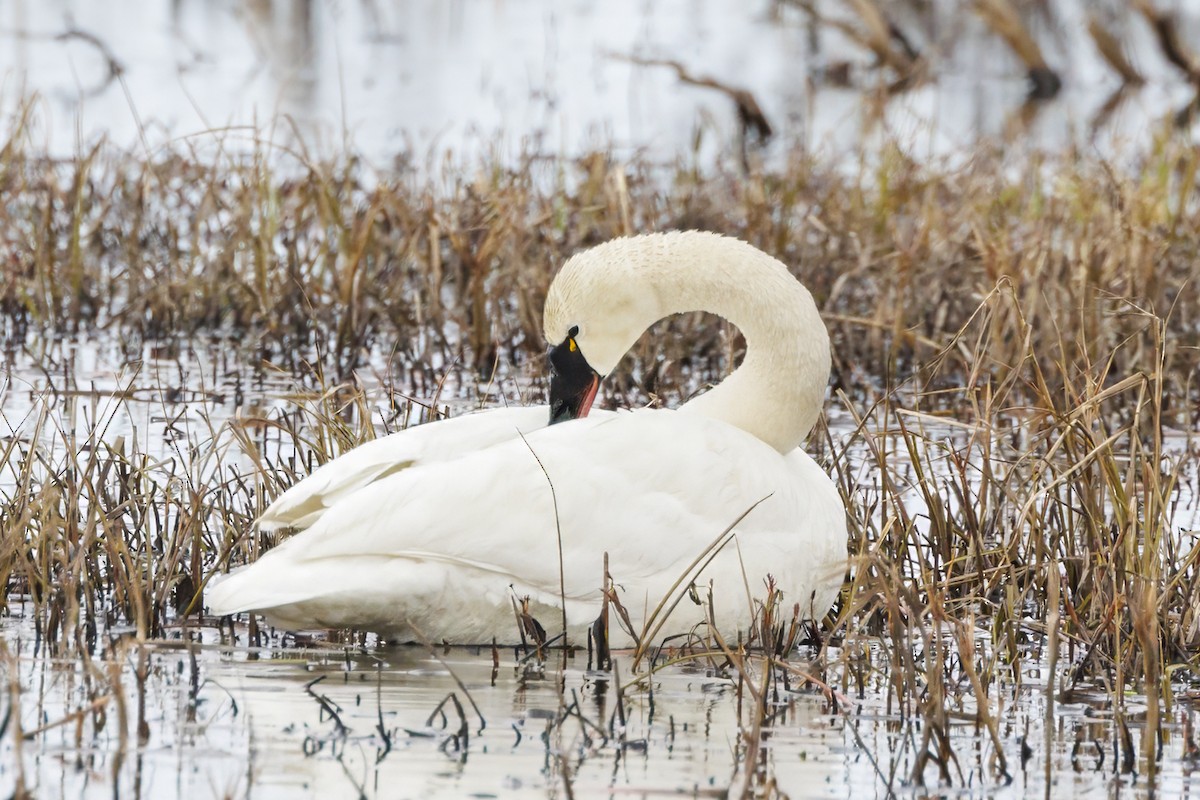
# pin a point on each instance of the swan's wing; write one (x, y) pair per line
(819, 503)
(304, 503)
(652, 489)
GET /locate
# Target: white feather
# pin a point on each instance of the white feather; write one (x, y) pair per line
(301, 505)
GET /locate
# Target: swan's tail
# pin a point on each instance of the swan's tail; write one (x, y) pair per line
(387, 595)
(251, 589)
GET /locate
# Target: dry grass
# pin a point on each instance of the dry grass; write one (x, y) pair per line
(322, 264)
(1018, 356)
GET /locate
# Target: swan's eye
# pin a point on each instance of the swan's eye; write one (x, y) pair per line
(573, 332)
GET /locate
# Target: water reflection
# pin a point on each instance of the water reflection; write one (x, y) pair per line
(196, 713)
(189, 716)
(470, 76)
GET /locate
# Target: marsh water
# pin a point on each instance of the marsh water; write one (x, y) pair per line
(410, 82)
(323, 721)
(203, 711)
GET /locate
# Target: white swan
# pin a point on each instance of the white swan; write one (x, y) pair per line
(422, 533)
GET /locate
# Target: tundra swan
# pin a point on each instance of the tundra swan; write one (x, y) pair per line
(430, 531)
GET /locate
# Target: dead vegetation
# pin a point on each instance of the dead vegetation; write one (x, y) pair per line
(1015, 387)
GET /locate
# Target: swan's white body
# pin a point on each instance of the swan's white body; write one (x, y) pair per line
(427, 533)
(303, 504)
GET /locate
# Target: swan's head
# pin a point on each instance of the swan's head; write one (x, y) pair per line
(600, 302)
(573, 381)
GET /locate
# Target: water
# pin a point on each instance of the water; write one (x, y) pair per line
(324, 721)
(222, 718)
(426, 77)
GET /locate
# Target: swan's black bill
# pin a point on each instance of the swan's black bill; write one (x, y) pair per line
(573, 382)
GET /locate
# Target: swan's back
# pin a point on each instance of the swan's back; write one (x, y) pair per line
(303, 504)
(473, 527)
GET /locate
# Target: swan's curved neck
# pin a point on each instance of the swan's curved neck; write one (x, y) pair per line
(778, 390)
(615, 291)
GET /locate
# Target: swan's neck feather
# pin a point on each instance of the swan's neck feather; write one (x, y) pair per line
(615, 291)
